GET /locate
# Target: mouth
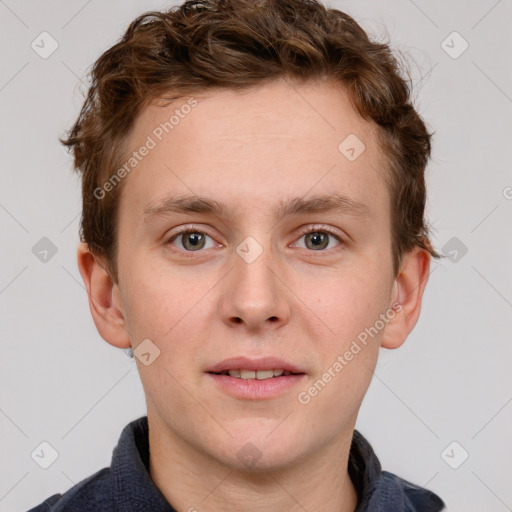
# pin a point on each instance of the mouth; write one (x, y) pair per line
(257, 374)
(261, 369)
(256, 379)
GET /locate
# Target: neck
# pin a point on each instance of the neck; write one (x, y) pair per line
(192, 481)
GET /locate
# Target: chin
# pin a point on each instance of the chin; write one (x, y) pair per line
(264, 449)
(250, 459)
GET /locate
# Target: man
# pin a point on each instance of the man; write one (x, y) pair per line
(253, 201)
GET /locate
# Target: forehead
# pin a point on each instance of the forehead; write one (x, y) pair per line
(276, 139)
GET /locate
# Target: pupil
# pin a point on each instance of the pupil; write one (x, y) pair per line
(194, 239)
(317, 239)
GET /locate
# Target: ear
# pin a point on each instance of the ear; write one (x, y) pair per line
(104, 299)
(407, 295)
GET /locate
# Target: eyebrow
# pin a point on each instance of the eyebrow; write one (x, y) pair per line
(186, 204)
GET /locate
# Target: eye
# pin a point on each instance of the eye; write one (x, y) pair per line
(319, 239)
(191, 240)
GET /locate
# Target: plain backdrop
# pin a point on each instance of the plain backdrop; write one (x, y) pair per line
(438, 411)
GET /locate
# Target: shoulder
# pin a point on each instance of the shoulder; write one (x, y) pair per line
(381, 490)
(92, 493)
(415, 498)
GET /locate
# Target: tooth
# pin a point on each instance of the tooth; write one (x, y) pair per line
(256, 374)
(264, 374)
(247, 374)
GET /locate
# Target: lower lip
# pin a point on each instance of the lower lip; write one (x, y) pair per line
(254, 389)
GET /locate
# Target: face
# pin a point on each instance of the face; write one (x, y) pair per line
(287, 256)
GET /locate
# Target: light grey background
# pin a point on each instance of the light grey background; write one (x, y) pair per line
(63, 384)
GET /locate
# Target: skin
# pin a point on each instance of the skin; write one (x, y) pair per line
(250, 150)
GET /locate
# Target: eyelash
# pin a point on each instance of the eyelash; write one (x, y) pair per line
(305, 231)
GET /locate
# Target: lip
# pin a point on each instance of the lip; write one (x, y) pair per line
(254, 389)
(263, 363)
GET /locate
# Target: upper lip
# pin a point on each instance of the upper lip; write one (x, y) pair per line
(244, 363)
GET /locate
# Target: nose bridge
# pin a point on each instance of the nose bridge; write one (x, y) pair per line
(255, 295)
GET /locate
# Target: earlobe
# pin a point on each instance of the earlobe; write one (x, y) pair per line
(407, 294)
(104, 299)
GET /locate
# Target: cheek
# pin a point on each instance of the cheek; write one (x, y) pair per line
(355, 308)
(169, 311)
(337, 393)
(165, 315)
(349, 305)
(157, 300)
(349, 353)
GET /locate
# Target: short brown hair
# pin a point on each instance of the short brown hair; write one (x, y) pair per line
(234, 44)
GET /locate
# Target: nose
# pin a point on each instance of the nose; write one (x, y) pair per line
(254, 294)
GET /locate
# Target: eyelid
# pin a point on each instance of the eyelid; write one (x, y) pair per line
(320, 227)
(188, 228)
(326, 229)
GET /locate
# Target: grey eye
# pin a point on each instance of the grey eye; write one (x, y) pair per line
(318, 240)
(191, 240)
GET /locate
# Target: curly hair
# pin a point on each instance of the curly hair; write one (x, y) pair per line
(236, 44)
